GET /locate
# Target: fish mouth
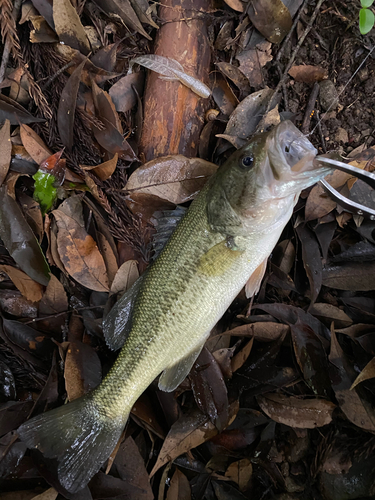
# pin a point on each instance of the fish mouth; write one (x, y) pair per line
(291, 156)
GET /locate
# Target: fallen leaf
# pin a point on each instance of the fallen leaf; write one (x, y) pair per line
(122, 9)
(67, 107)
(20, 241)
(312, 260)
(353, 276)
(68, 26)
(240, 358)
(188, 432)
(367, 373)
(247, 115)
(82, 369)
(253, 60)
(328, 313)
(15, 113)
(295, 412)
(179, 488)
(34, 145)
(29, 288)
(342, 375)
(122, 93)
(222, 93)
(176, 179)
(235, 5)
(240, 472)
(77, 249)
(271, 18)
(308, 74)
(50, 494)
(126, 276)
(54, 299)
(108, 256)
(104, 170)
(209, 388)
(131, 469)
(311, 358)
(6, 150)
(236, 75)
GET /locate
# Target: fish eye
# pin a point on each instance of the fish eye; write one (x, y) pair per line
(247, 162)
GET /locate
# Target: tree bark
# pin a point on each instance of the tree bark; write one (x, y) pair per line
(174, 114)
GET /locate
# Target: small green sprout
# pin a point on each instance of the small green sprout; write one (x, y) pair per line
(366, 17)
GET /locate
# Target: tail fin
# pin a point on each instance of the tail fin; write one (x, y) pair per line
(79, 435)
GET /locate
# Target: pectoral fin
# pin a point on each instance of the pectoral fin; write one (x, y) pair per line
(218, 259)
(253, 283)
(172, 376)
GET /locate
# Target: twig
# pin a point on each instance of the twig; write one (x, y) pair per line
(310, 109)
(294, 55)
(287, 38)
(9, 34)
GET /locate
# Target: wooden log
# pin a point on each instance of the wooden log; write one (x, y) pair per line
(173, 114)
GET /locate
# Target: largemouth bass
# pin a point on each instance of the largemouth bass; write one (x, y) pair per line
(220, 245)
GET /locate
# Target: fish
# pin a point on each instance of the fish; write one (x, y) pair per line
(221, 244)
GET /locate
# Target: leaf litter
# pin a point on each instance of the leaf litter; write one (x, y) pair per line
(282, 396)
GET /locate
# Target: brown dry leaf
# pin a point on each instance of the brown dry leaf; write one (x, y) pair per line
(342, 374)
(271, 18)
(6, 150)
(222, 93)
(326, 313)
(308, 74)
(105, 107)
(54, 299)
(104, 170)
(50, 494)
(29, 288)
(240, 358)
(355, 276)
(108, 256)
(264, 332)
(191, 430)
(367, 373)
(77, 249)
(252, 61)
(295, 412)
(235, 5)
(240, 472)
(68, 26)
(83, 371)
(34, 144)
(176, 179)
(179, 488)
(122, 93)
(236, 75)
(125, 277)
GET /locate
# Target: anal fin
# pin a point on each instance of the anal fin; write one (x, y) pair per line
(172, 376)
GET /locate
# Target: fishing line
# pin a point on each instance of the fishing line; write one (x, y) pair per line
(339, 94)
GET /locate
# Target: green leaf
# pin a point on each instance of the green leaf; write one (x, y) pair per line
(366, 3)
(366, 21)
(45, 192)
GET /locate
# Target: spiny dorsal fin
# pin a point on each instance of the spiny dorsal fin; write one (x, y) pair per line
(165, 223)
(117, 324)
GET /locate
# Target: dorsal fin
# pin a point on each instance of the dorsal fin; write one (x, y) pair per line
(117, 323)
(165, 222)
